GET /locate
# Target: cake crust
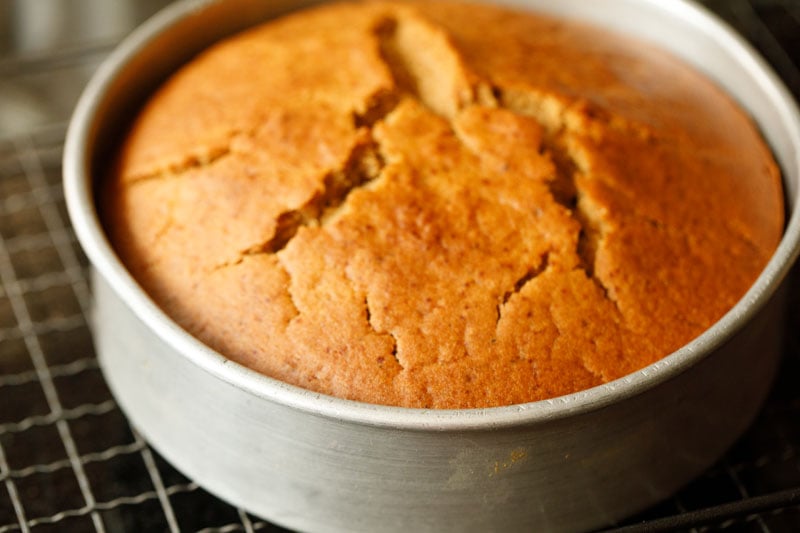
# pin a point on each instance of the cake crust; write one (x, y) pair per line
(440, 204)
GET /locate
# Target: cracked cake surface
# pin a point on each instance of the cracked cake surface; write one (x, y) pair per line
(439, 204)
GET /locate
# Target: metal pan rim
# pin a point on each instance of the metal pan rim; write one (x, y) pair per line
(80, 202)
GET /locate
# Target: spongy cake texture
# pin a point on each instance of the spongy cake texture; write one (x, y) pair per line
(442, 205)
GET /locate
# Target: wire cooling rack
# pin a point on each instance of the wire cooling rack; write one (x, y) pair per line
(69, 461)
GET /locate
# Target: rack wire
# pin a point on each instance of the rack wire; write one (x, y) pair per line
(69, 461)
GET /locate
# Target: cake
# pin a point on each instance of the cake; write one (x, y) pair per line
(441, 204)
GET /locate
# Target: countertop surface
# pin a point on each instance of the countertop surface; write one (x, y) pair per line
(69, 461)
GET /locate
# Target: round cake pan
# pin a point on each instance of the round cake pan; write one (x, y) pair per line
(313, 462)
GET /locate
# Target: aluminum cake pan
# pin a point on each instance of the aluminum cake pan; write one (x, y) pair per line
(315, 462)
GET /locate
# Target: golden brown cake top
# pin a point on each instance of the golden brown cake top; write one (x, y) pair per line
(435, 204)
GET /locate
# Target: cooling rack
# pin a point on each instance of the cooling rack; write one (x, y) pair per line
(69, 461)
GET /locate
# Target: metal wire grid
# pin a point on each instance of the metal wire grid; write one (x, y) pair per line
(70, 462)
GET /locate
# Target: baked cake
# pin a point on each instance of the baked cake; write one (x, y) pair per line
(440, 204)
